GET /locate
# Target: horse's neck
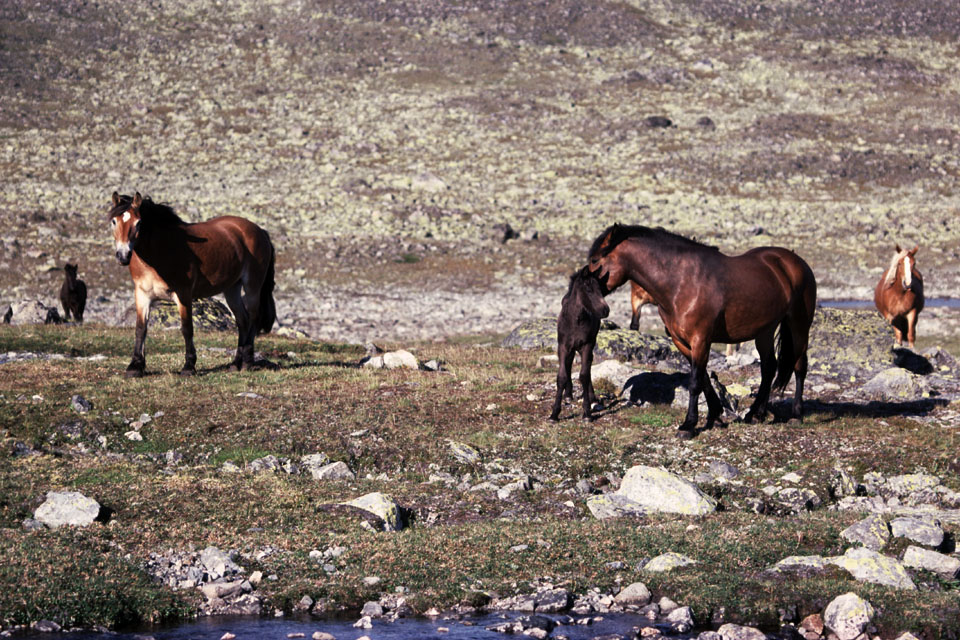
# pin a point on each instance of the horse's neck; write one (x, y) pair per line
(155, 246)
(652, 270)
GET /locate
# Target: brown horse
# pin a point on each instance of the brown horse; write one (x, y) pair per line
(704, 296)
(899, 295)
(581, 311)
(73, 293)
(638, 298)
(182, 261)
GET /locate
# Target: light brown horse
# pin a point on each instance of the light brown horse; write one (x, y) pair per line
(638, 298)
(181, 261)
(899, 295)
(704, 296)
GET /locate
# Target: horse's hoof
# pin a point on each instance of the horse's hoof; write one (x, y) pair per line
(133, 373)
(186, 373)
(233, 367)
(685, 434)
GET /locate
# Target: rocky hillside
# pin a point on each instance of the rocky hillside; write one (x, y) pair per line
(431, 168)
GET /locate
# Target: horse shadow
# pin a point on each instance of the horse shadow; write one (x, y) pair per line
(911, 361)
(654, 387)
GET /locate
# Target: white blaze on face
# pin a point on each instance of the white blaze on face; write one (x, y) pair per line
(907, 268)
(126, 216)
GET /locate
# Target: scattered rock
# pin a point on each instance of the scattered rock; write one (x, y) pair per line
(848, 616)
(738, 632)
(464, 453)
(382, 506)
(869, 566)
(917, 530)
(895, 384)
(80, 404)
(333, 471)
(872, 532)
(947, 567)
(634, 594)
(67, 508)
(401, 359)
(665, 492)
(612, 505)
(668, 562)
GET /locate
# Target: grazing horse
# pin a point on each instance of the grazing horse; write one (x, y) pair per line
(899, 295)
(182, 261)
(581, 310)
(73, 293)
(704, 296)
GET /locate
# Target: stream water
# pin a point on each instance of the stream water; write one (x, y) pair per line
(950, 303)
(245, 628)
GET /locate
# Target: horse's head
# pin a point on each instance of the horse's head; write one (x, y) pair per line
(125, 219)
(902, 267)
(71, 270)
(591, 293)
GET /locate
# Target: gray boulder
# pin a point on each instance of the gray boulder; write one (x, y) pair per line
(33, 312)
(612, 505)
(920, 531)
(334, 471)
(895, 384)
(739, 632)
(634, 594)
(848, 616)
(662, 491)
(872, 532)
(668, 562)
(947, 567)
(218, 563)
(67, 508)
(869, 566)
(382, 506)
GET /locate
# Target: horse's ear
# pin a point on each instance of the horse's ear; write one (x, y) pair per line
(116, 198)
(897, 247)
(137, 200)
(913, 251)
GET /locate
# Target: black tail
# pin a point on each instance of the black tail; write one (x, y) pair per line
(786, 356)
(268, 310)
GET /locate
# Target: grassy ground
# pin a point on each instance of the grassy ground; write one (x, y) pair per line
(457, 545)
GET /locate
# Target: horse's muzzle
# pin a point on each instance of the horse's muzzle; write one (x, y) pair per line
(123, 257)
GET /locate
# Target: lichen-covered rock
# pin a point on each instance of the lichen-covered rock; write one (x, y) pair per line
(848, 615)
(382, 506)
(800, 564)
(613, 371)
(848, 344)
(668, 562)
(869, 566)
(895, 384)
(67, 508)
(904, 485)
(731, 631)
(611, 505)
(209, 314)
(872, 532)
(464, 453)
(923, 532)
(946, 566)
(665, 492)
(33, 312)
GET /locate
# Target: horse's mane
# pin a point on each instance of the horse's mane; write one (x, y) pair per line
(152, 213)
(617, 233)
(892, 270)
(582, 272)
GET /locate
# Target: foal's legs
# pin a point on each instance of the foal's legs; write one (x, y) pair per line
(139, 362)
(586, 381)
(185, 307)
(768, 370)
(566, 354)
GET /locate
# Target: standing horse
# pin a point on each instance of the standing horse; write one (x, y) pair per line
(581, 311)
(638, 298)
(899, 295)
(182, 261)
(704, 296)
(73, 293)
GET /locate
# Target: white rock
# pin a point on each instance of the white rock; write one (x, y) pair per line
(848, 615)
(67, 508)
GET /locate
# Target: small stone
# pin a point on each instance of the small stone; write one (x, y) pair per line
(634, 594)
(668, 562)
(322, 635)
(363, 623)
(227, 636)
(80, 404)
(847, 616)
(739, 632)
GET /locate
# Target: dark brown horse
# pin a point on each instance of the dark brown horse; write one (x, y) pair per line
(581, 311)
(704, 296)
(899, 295)
(182, 261)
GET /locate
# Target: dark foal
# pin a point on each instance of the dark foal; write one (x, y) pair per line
(577, 326)
(73, 294)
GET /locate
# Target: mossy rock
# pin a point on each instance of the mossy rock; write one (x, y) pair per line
(849, 343)
(612, 342)
(209, 314)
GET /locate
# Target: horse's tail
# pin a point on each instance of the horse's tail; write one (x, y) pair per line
(268, 310)
(786, 356)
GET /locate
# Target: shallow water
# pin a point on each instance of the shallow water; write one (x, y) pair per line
(950, 303)
(244, 628)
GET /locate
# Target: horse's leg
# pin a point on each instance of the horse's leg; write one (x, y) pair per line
(899, 328)
(699, 354)
(911, 327)
(139, 361)
(251, 301)
(714, 405)
(234, 297)
(563, 378)
(635, 304)
(768, 370)
(185, 307)
(586, 380)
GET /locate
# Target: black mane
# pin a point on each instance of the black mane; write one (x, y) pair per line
(619, 232)
(152, 213)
